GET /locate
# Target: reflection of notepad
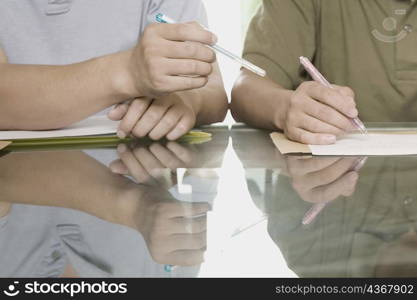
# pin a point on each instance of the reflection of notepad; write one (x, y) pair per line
(390, 143)
(93, 126)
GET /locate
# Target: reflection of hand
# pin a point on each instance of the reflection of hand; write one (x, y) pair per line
(174, 231)
(319, 180)
(149, 164)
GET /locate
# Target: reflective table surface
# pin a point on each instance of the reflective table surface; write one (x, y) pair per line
(229, 207)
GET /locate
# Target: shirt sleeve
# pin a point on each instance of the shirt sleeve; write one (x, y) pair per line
(180, 10)
(281, 32)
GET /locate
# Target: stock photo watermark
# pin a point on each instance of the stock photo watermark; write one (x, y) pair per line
(390, 25)
(71, 289)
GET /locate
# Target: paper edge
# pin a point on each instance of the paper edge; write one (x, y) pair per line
(286, 146)
(4, 144)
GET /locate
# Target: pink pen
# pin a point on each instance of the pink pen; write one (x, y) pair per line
(317, 76)
(314, 211)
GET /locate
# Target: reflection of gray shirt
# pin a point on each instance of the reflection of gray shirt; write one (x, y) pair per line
(40, 241)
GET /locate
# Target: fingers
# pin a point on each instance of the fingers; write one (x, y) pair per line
(167, 123)
(118, 111)
(134, 167)
(172, 84)
(186, 258)
(306, 137)
(333, 98)
(329, 174)
(188, 50)
(151, 163)
(297, 166)
(137, 108)
(150, 119)
(181, 152)
(166, 157)
(187, 241)
(184, 125)
(188, 226)
(183, 209)
(192, 32)
(118, 167)
(323, 112)
(344, 186)
(187, 67)
(317, 126)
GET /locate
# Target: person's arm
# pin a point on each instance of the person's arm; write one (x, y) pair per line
(66, 179)
(209, 102)
(35, 97)
(306, 111)
(255, 102)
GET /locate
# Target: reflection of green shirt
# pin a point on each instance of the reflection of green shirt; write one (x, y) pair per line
(369, 45)
(345, 238)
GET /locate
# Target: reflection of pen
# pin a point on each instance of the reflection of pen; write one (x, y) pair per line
(314, 211)
(317, 76)
(161, 18)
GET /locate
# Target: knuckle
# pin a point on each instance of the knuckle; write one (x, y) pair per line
(153, 116)
(190, 50)
(348, 91)
(194, 67)
(137, 132)
(168, 121)
(304, 138)
(210, 55)
(208, 68)
(183, 30)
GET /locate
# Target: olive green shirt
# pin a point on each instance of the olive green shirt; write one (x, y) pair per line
(369, 45)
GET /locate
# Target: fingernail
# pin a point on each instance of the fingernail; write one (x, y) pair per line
(121, 148)
(353, 113)
(174, 135)
(353, 177)
(117, 169)
(121, 134)
(329, 139)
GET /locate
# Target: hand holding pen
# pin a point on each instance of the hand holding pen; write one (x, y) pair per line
(318, 77)
(161, 18)
(317, 114)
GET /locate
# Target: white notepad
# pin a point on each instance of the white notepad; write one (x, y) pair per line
(373, 144)
(370, 144)
(96, 125)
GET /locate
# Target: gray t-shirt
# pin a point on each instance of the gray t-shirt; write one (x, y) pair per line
(57, 32)
(60, 32)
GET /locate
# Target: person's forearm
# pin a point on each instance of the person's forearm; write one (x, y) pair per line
(34, 97)
(69, 180)
(259, 102)
(210, 102)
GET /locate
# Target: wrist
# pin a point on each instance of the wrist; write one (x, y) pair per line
(192, 99)
(126, 205)
(280, 115)
(121, 80)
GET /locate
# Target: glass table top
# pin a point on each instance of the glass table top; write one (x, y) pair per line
(229, 207)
